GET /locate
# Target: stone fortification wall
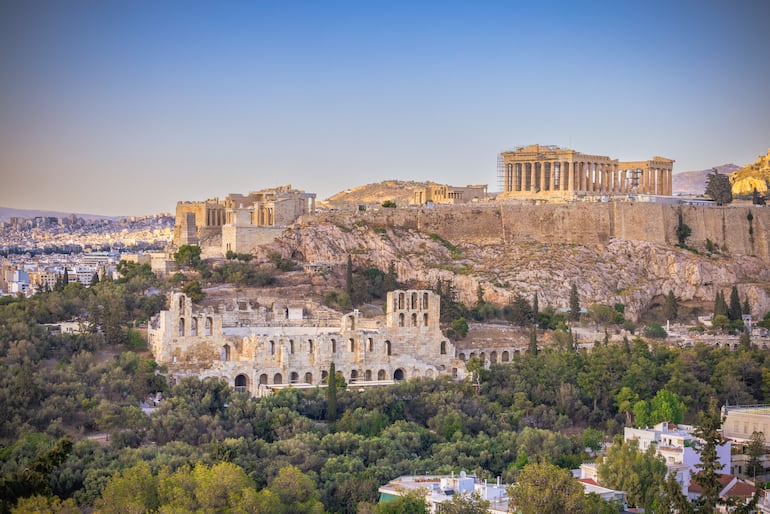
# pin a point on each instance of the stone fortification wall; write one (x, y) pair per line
(581, 223)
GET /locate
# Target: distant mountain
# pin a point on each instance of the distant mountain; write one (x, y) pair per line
(752, 176)
(7, 213)
(399, 191)
(694, 182)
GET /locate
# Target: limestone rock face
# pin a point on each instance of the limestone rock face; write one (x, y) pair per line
(752, 176)
(627, 271)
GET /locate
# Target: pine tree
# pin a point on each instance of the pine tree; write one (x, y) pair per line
(718, 188)
(574, 303)
(734, 311)
(331, 392)
(746, 308)
(707, 431)
(720, 306)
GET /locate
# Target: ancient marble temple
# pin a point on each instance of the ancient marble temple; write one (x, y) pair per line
(537, 170)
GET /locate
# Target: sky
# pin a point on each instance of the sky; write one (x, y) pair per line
(126, 107)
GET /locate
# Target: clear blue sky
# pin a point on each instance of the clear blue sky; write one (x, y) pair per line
(125, 107)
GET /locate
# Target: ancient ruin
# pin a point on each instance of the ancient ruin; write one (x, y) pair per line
(445, 194)
(240, 223)
(550, 171)
(258, 347)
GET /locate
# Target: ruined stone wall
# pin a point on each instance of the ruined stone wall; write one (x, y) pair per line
(580, 223)
(252, 353)
(244, 239)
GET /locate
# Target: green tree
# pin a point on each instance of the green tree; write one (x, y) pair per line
(296, 492)
(671, 307)
(135, 489)
(465, 504)
(720, 305)
(574, 303)
(625, 400)
(331, 394)
(519, 311)
(532, 348)
(389, 204)
(734, 309)
(459, 328)
(709, 437)
(683, 230)
(535, 305)
(194, 290)
(188, 255)
(756, 449)
(718, 188)
(640, 474)
(544, 487)
(412, 502)
(671, 498)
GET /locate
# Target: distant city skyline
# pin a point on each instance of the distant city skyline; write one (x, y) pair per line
(123, 108)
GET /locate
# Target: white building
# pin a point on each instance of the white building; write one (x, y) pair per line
(441, 488)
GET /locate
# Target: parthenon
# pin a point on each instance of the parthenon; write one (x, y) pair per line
(539, 170)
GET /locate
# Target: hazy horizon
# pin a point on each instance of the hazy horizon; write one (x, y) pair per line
(123, 108)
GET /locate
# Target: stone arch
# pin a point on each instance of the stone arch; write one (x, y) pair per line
(442, 349)
(399, 374)
(493, 358)
(324, 374)
(208, 325)
(473, 354)
(308, 378)
(505, 357)
(293, 377)
(400, 300)
(401, 319)
(381, 375)
(353, 376)
(424, 300)
(414, 301)
(309, 346)
(461, 356)
(241, 383)
(483, 357)
(425, 319)
(352, 344)
(370, 344)
(387, 348)
(334, 345)
(193, 326)
(414, 319)
(263, 379)
(429, 373)
(181, 327)
(181, 302)
(224, 353)
(277, 378)
(272, 347)
(368, 375)
(415, 373)
(291, 345)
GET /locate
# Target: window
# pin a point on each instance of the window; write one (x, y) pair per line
(291, 346)
(181, 327)
(352, 345)
(334, 346)
(443, 347)
(209, 322)
(194, 327)
(387, 347)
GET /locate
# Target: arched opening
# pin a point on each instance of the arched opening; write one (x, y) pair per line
(324, 374)
(425, 319)
(181, 327)
(462, 357)
(443, 347)
(272, 347)
(352, 345)
(209, 322)
(334, 346)
(381, 375)
(368, 375)
(483, 357)
(308, 378)
(277, 379)
(387, 347)
(398, 374)
(294, 377)
(414, 300)
(401, 319)
(291, 346)
(263, 379)
(224, 353)
(194, 327)
(370, 344)
(493, 358)
(424, 300)
(309, 346)
(429, 373)
(414, 319)
(241, 383)
(181, 302)
(505, 357)
(416, 373)
(353, 376)
(400, 300)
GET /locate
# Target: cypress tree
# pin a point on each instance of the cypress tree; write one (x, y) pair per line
(535, 306)
(331, 399)
(746, 309)
(349, 278)
(671, 307)
(720, 306)
(533, 341)
(66, 279)
(574, 303)
(734, 311)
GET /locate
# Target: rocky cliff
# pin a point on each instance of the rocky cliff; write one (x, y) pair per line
(615, 252)
(751, 177)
